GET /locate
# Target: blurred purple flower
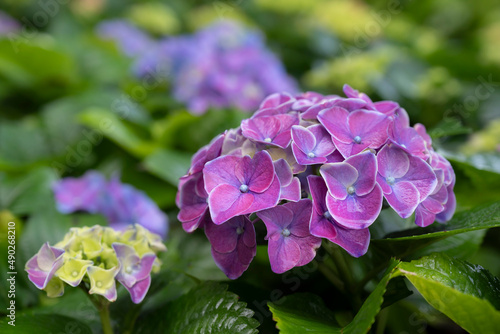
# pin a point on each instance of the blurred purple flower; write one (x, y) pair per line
(131, 40)
(290, 242)
(355, 242)
(225, 65)
(42, 266)
(354, 198)
(120, 203)
(405, 180)
(240, 185)
(8, 24)
(84, 193)
(233, 245)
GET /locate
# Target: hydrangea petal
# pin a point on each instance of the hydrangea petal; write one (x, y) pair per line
(339, 177)
(356, 212)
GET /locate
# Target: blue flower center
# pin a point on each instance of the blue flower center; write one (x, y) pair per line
(390, 180)
(351, 190)
(285, 232)
(240, 230)
(357, 140)
(327, 215)
(244, 188)
(311, 155)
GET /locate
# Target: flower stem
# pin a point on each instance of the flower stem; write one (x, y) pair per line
(105, 319)
(331, 276)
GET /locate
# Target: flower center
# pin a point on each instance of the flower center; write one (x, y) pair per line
(268, 140)
(390, 180)
(351, 190)
(327, 215)
(240, 230)
(243, 188)
(128, 270)
(285, 232)
(74, 273)
(311, 155)
(357, 140)
(98, 284)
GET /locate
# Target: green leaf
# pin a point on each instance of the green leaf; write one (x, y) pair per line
(168, 164)
(28, 193)
(405, 242)
(208, 308)
(43, 324)
(460, 246)
(449, 127)
(26, 64)
(115, 128)
(466, 293)
(191, 254)
(301, 313)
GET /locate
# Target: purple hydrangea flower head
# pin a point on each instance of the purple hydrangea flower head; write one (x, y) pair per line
(352, 132)
(8, 24)
(405, 180)
(362, 150)
(84, 193)
(233, 245)
(271, 130)
(240, 185)
(311, 145)
(290, 242)
(290, 185)
(43, 265)
(131, 40)
(354, 198)
(354, 241)
(135, 271)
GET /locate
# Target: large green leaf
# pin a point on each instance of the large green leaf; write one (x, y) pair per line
(301, 313)
(466, 293)
(27, 323)
(115, 128)
(405, 242)
(168, 164)
(208, 308)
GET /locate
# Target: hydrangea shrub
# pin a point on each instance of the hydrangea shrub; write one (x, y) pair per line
(309, 167)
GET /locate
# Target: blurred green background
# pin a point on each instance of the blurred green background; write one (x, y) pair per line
(69, 101)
